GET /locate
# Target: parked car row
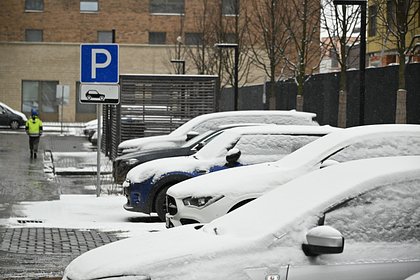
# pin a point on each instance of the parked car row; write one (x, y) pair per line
(272, 201)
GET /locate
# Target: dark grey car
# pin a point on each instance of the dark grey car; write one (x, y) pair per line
(10, 118)
(125, 163)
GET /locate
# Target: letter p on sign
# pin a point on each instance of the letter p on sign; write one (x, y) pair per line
(99, 63)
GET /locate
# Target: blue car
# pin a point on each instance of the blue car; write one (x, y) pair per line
(146, 184)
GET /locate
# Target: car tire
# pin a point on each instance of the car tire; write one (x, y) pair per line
(160, 202)
(88, 97)
(14, 124)
(102, 98)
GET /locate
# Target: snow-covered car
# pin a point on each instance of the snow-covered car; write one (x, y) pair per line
(10, 117)
(201, 200)
(356, 220)
(122, 164)
(146, 184)
(203, 123)
(90, 128)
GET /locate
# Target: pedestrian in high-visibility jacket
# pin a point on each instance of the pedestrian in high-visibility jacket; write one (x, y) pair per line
(33, 128)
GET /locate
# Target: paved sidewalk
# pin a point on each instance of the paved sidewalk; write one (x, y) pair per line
(34, 252)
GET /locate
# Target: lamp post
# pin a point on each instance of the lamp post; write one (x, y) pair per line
(362, 63)
(236, 48)
(179, 61)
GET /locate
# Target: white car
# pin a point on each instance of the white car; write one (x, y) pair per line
(356, 220)
(146, 184)
(206, 122)
(200, 200)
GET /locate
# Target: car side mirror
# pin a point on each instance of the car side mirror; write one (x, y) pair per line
(191, 135)
(323, 240)
(328, 162)
(233, 155)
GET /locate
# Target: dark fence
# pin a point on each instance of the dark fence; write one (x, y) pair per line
(321, 96)
(155, 105)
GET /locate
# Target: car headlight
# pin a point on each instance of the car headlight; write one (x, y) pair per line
(200, 202)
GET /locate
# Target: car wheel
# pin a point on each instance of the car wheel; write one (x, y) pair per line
(88, 97)
(14, 124)
(160, 203)
(102, 98)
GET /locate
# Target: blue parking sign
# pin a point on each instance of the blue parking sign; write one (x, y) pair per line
(99, 63)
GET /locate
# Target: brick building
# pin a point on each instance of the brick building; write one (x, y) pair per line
(40, 44)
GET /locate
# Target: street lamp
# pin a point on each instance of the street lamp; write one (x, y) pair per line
(179, 61)
(235, 47)
(362, 4)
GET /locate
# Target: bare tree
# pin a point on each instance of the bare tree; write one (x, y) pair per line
(396, 20)
(268, 41)
(302, 56)
(339, 24)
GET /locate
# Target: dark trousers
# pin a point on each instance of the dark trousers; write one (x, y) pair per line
(33, 144)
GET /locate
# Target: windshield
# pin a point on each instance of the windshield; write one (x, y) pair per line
(218, 146)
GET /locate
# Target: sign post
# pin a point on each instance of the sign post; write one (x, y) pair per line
(99, 78)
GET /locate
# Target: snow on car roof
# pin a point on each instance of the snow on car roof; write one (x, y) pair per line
(218, 119)
(314, 191)
(315, 150)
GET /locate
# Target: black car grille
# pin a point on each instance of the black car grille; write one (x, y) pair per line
(171, 205)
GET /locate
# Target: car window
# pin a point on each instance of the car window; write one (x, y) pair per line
(389, 213)
(270, 147)
(381, 146)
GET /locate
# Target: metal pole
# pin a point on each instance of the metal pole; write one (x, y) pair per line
(98, 152)
(236, 77)
(362, 63)
(62, 105)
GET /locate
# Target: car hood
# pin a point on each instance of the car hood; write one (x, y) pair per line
(159, 167)
(161, 141)
(252, 180)
(147, 254)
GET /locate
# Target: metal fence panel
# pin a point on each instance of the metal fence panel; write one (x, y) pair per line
(153, 105)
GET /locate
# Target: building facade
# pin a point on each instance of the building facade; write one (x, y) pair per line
(40, 45)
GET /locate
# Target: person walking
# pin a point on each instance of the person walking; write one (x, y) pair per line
(33, 128)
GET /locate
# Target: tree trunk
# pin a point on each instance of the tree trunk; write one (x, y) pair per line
(401, 107)
(342, 109)
(299, 103)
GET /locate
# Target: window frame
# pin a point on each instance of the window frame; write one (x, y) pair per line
(373, 24)
(228, 5)
(34, 3)
(156, 42)
(84, 10)
(166, 8)
(33, 31)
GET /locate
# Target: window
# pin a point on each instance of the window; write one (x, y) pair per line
(34, 5)
(88, 5)
(373, 10)
(388, 213)
(33, 35)
(104, 36)
(40, 95)
(270, 147)
(194, 39)
(379, 147)
(166, 6)
(230, 7)
(390, 14)
(157, 38)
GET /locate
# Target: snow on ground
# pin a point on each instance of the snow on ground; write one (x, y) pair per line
(84, 212)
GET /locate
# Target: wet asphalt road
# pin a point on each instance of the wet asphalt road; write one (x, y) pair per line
(34, 253)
